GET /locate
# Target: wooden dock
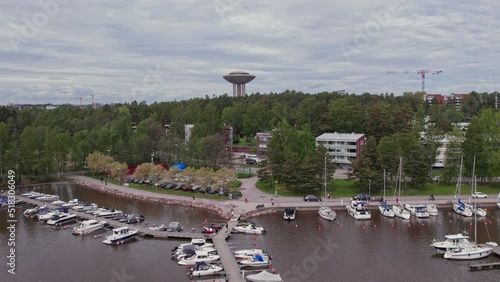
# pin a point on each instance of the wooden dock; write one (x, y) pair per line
(485, 266)
(115, 224)
(231, 267)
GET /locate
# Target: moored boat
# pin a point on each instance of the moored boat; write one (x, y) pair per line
(385, 210)
(358, 210)
(85, 207)
(432, 209)
(203, 269)
(256, 260)
(58, 203)
(327, 213)
(120, 235)
(71, 203)
(289, 213)
(47, 198)
(199, 256)
(419, 211)
(158, 228)
(461, 209)
(61, 219)
(250, 229)
(451, 241)
(88, 226)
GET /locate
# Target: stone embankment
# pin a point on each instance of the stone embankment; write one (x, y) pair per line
(115, 191)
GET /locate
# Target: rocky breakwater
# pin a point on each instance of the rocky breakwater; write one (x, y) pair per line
(160, 198)
(257, 212)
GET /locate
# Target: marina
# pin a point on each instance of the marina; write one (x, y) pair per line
(308, 225)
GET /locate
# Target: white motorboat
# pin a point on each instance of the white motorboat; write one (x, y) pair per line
(32, 195)
(71, 203)
(109, 213)
(194, 242)
(461, 209)
(358, 210)
(248, 254)
(158, 228)
(58, 203)
(385, 210)
(327, 213)
(289, 213)
(473, 251)
(190, 250)
(174, 227)
(96, 211)
(47, 198)
(120, 235)
(33, 211)
(49, 215)
(204, 269)
(256, 260)
(419, 211)
(250, 229)
(452, 241)
(61, 219)
(199, 256)
(88, 226)
(85, 207)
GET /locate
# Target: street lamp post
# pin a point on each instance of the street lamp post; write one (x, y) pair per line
(156, 184)
(276, 189)
(369, 187)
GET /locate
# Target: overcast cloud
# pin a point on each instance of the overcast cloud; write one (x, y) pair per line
(54, 51)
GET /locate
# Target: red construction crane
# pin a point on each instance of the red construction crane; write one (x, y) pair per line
(421, 72)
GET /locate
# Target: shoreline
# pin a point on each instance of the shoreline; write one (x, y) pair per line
(153, 199)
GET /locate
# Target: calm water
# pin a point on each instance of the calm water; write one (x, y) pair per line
(309, 249)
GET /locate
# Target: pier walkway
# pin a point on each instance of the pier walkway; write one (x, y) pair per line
(231, 267)
(115, 224)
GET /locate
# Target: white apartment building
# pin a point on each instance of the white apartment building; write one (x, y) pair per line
(343, 147)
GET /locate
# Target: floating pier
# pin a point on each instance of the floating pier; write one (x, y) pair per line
(231, 267)
(485, 266)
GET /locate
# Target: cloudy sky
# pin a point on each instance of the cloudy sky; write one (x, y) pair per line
(54, 51)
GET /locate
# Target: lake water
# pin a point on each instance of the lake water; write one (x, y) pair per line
(308, 249)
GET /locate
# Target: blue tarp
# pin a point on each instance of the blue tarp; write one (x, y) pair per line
(179, 166)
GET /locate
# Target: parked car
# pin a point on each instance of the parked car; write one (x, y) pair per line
(361, 197)
(479, 195)
(311, 198)
(178, 186)
(251, 161)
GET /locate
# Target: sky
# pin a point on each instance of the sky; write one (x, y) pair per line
(58, 51)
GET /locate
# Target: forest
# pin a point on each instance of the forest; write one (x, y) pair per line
(39, 143)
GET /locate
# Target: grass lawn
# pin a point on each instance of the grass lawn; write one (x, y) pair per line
(344, 188)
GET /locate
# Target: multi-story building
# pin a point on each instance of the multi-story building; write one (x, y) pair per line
(227, 136)
(343, 147)
(431, 98)
(457, 100)
(261, 143)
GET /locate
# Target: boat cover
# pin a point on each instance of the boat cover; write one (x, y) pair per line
(264, 276)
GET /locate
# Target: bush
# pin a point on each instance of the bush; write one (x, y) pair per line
(244, 175)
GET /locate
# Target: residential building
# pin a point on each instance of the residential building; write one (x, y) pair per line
(262, 140)
(457, 100)
(431, 98)
(343, 147)
(227, 135)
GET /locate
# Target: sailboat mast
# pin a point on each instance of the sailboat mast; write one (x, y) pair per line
(475, 203)
(325, 175)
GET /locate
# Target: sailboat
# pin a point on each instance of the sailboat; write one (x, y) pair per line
(324, 211)
(460, 207)
(398, 208)
(471, 251)
(475, 209)
(384, 209)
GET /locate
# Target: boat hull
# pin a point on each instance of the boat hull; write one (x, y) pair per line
(386, 212)
(120, 240)
(358, 215)
(476, 253)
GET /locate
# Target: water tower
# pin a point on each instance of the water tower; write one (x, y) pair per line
(239, 79)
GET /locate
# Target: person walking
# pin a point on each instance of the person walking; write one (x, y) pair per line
(272, 201)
